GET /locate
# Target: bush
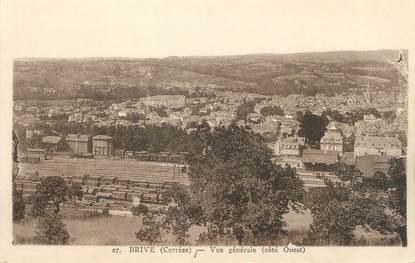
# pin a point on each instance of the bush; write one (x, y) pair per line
(139, 210)
(105, 212)
(18, 206)
(39, 203)
(152, 231)
(50, 230)
(22, 240)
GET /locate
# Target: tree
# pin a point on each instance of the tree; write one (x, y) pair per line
(239, 189)
(393, 184)
(39, 203)
(52, 189)
(397, 195)
(18, 203)
(181, 213)
(141, 209)
(161, 111)
(15, 156)
(347, 173)
(337, 210)
(152, 231)
(179, 222)
(299, 115)
(268, 111)
(348, 145)
(397, 173)
(335, 115)
(50, 230)
(210, 235)
(75, 190)
(376, 183)
(244, 109)
(18, 206)
(312, 127)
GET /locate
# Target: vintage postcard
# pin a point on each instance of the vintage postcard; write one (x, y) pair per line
(207, 131)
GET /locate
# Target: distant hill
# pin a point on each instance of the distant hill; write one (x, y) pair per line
(326, 72)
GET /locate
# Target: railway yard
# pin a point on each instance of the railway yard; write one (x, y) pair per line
(117, 182)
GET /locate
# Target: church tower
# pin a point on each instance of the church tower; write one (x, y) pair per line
(368, 94)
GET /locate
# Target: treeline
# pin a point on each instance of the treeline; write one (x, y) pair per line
(358, 115)
(272, 110)
(164, 138)
(232, 168)
(152, 138)
(102, 92)
(244, 109)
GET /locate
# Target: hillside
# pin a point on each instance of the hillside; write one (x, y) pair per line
(327, 72)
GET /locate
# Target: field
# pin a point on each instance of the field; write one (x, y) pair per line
(119, 230)
(371, 79)
(300, 76)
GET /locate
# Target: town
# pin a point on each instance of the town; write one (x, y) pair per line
(368, 140)
(126, 152)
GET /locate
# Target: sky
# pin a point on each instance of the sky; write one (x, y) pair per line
(155, 28)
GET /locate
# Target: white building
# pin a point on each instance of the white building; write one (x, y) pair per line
(169, 101)
(332, 140)
(371, 145)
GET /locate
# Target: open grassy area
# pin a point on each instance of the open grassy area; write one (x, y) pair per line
(92, 229)
(87, 228)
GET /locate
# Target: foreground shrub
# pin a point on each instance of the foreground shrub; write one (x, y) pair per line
(139, 210)
(50, 230)
(22, 240)
(105, 212)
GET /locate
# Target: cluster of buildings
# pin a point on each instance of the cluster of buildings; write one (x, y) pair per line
(73, 144)
(370, 154)
(371, 136)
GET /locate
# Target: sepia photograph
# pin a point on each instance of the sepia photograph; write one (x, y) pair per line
(306, 148)
(142, 128)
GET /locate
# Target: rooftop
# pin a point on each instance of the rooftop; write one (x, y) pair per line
(319, 156)
(377, 141)
(51, 139)
(77, 138)
(102, 137)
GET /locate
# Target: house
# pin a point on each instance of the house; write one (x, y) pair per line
(31, 132)
(169, 101)
(76, 117)
(51, 142)
(370, 165)
(377, 145)
(369, 118)
(319, 160)
(36, 153)
(78, 143)
(102, 145)
(377, 127)
(351, 100)
(18, 107)
(32, 109)
(254, 117)
(289, 146)
(332, 140)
